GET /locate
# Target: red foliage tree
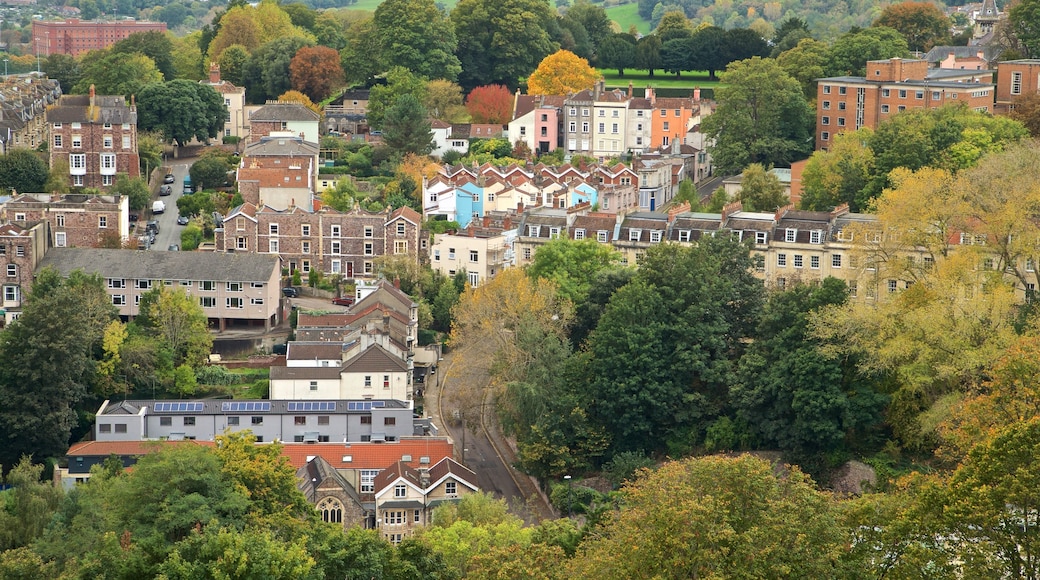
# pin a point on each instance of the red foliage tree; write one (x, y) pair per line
(315, 71)
(490, 104)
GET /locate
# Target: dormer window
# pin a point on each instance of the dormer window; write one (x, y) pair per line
(790, 234)
(634, 235)
(816, 237)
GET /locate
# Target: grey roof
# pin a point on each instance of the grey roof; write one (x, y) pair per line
(311, 350)
(273, 145)
(175, 266)
(305, 373)
(375, 358)
(278, 407)
(73, 109)
(283, 112)
(938, 53)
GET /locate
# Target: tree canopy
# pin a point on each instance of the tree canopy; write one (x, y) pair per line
(561, 73)
(181, 110)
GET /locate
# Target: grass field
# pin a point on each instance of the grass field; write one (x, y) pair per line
(626, 15)
(641, 78)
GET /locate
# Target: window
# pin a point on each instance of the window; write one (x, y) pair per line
(107, 142)
(527, 253)
(814, 262)
(368, 380)
(256, 420)
(1016, 83)
(104, 428)
(902, 93)
(208, 301)
(417, 512)
(78, 161)
(10, 293)
(369, 249)
(389, 421)
(885, 93)
(665, 125)
(386, 381)
(935, 95)
(816, 237)
(790, 234)
(368, 478)
(842, 90)
(366, 419)
(234, 286)
(474, 256)
(826, 89)
(336, 248)
(684, 235)
(841, 121)
(884, 108)
(235, 302)
(273, 229)
(299, 420)
(584, 112)
(272, 246)
(824, 136)
(57, 141)
(126, 141)
(836, 261)
(781, 260)
(760, 237)
(893, 285)
(189, 421)
(450, 488)
(331, 510)
(919, 95)
(400, 490)
(825, 120)
(554, 233)
(19, 251)
(323, 419)
(655, 236)
(797, 260)
(601, 236)
(579, 234)
(401, 226)
(108, 161)
(335, 231)
(120, 427)
(602, 128)
(77, 141)
(572, 127)
(634, 234)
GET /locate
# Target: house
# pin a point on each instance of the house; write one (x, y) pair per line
(481, 250)
(445, 140)
(23, 110)
(890, 86)
(536, 228)
(237, 290)
(74, 220)
(278, 170)
(366, 373)
(964, 57)
(672, 117)
(22, 246)
(536, 121)
(347, 113)
(281, 118)
(1015, 79)
(406, 497)
(301, 421)
(595, 226)
(637, 232)
(95, 136)
(234, 99)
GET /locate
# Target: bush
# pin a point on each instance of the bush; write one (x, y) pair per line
(191, 237)
(215, 375)
(297, 279)
(624, 465)
(231, 140)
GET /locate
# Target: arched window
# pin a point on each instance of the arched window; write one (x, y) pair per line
(331, 510)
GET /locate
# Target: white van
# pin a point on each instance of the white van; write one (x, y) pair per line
(158, 207)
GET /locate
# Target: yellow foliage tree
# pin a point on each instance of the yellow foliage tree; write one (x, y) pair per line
(561, 73)
(298, 97)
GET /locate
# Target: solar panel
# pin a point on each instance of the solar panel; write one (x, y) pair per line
(312, 406)
(239, 406)
(177, 407)
(365, 405)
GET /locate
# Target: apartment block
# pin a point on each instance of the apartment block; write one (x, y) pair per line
(75, 37)
(96, 136)
(74, 220)
(891, 86)
(1015, 79)
(22, 246)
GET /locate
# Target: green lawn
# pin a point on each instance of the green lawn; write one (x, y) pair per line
(641, 78)
(626, 15)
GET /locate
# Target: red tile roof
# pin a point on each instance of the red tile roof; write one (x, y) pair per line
(370, 455)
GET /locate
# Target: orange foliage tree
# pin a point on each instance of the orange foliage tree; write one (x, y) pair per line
(315, 71)
(490, 104)
(561, 73)
(298, 97)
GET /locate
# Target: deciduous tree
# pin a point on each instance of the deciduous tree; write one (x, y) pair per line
(181, 110)
(23, 171)
(1022, 19)
(841, 174)
(399, 82)
(572, 265)
(850, 52)
(617, 51)
(315, 71)
(561, 73)
(178, 321)
(417, 35)
(501, 41)
(267, 72)
(761, 190)
(116, 74)
(155, 45)
(922, 24)
(805, 62)
(490, 104)
(444, 101)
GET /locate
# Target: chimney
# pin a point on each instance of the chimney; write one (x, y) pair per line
(781, 211)
(840, 210)
(397, 283)
(90, 114)
(650, 95)
(487, 221)
(731, 208)
(214, 73)
(697, 94)
(630, 89)
(519, 208)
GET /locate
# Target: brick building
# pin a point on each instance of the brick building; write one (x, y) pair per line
(1016, 78)
(96, 136)
(279, 171)
(893, 85)
(74, 220)
(23, 110)
(22, 246)
(75, 37)
(334, 242)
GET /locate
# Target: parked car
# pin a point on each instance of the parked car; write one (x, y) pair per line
(343, 301)
(165, 189)
(182, 220)
(169, 178)
(290, 292)
(158, 206)
(174, 248)
(144, 242)
(152, 226)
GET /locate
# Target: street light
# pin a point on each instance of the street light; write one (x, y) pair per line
(567, 478)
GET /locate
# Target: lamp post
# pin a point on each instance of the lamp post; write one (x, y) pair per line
(567, 478)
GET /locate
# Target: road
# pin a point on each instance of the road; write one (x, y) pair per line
(169, 231)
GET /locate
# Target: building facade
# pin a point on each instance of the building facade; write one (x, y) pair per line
(75, 37)
(95, 137)
(23, 110)
(234, 99)
(74, 220)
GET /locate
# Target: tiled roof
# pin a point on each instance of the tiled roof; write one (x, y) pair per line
(299, 350)
(406, 213)
(174, 266)
(375, 358)
(278, 111)
(370, 455)
(306, 319)
(398, 470)
(109, 109)
(448, 466)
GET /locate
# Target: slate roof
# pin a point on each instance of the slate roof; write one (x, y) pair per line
(278, 407)
(300, 350)
(277, 111)
(73, 109)
(373, 359)
(306, 373)
(175, 266)
(281, 146)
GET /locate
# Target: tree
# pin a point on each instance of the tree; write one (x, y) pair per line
(155, 45)
(674, 24)
(572, 265)
(298, 97)
(594, 20)
(1022, 19)
(315, 71)
(796, 398)
(233, 64)
(181, 110)
(444, 101)
(562, 73)
(191, 237)
(28, 505)
(176, 319)
(664, 348)
(116, 74)
(617, 51)
(744, 43)
(716, 517)
(267, 73)
(762, 117)
(761, 190)
(209, 171)
(677, 56)
(1026, 110)
(490, 104)
(186, 58)
(342, 197)
(416, 35)
(59, 179)
(805, 62)
(47, 363)
(399, 82)
(134, 188)
(406, 128)
(63, 68)
(648, 53)
(851, 51)
(359, 63)
(23, 171)
(840, 174)
(922, 24)
(501, 41)
(789, 34)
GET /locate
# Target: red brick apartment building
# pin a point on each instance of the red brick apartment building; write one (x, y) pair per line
(1016, 78)
(75, 37)
(890, 86)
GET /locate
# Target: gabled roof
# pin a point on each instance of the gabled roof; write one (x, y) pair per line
(375, 358)
(306, 373)
(107, 109)
(399, 472)
(448, 467)
(300, 350)
(315, 473)
(406, 213)
(275, 145)
(283, 111)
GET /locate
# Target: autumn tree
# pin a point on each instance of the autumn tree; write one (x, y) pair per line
(315, 71)
(1026, 110)
(298, 97)
(562, 73)
(841, 174)
(444, 101)
(490, 104)
(922, 24)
